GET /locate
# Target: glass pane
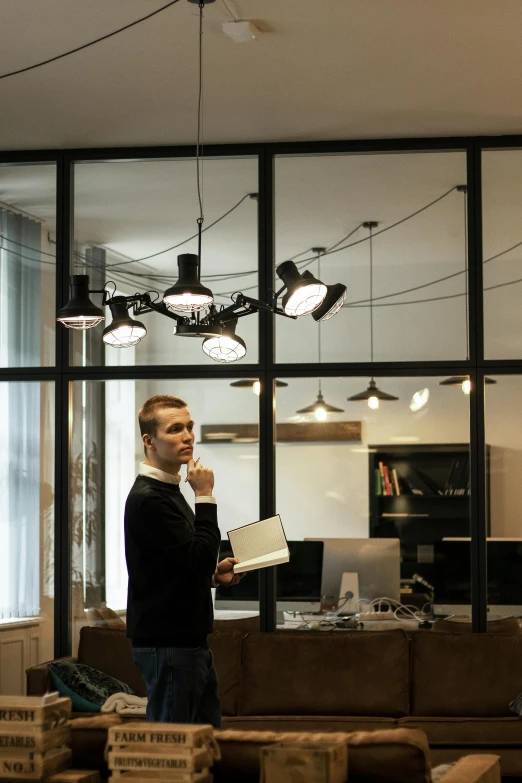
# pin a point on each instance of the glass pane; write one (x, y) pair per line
(26, 529)
(106, 452)
(504, 544)
(385, 489)
(127, 216)
(27, 265)
(415, 274)
(501, 199)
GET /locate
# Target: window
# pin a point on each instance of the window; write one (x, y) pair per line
(106, 451)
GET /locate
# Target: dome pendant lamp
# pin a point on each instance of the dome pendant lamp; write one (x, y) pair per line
(255, 385)
(304, 293)
(226, 347)
(80, 312)
(188, 295)
(372, 395)
(124, 331)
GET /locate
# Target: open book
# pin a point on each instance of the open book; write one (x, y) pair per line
(259, 545)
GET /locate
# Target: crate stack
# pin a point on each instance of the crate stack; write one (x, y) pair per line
(170, 752)
(34, 737)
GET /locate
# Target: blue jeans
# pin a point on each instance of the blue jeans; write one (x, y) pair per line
(181, 684)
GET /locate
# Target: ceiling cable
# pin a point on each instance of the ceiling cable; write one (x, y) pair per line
(91, 43)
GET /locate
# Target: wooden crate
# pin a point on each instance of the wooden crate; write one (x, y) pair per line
(29, 765)
(27, 737)
(75, 776)
(29, 711)
(321, 762)
(144, 760)
(158, 736)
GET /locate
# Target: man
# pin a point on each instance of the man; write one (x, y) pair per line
(171, 558)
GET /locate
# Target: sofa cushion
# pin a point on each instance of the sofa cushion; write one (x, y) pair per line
(468, 731)
(110, 651)
(226, 650)
(87, 688)
(465, 675)
(378, 756)
(352, 673)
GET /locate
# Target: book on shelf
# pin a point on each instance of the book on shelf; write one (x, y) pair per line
(259, 545)
(457, 482)
(396, 482)
(378, 483)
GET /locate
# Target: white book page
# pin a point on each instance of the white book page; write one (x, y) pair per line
(259, 539)
(274, 558)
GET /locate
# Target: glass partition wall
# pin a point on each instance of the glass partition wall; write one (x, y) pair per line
(417, 244)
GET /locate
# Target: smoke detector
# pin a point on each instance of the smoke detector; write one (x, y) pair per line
(241, 32)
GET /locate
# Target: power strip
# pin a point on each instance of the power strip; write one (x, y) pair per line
(377, 616)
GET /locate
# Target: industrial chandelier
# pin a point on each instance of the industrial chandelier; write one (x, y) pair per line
(191, 304)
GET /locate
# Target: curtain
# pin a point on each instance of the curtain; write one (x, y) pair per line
(20, 301)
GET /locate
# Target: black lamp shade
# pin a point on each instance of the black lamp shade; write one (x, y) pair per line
(249, 384)
(320, 403)
(187, 295)
(371, 391)
(227, 347)
(80, 312)
(124, 331)
(332, 303)
(458, 380)
(304, 292)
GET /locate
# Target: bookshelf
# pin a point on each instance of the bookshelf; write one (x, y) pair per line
(433, 500)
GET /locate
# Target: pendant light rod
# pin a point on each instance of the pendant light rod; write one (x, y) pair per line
(370, 225)
(199, 143)
(319, 252)
(464, 189)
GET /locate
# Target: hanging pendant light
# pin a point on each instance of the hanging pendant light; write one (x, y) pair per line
(463, 380)
(372, 395)
(319, 408)
(188, 295)
(255, 385)
(304, 293)
(124, 331)
(227, 347)
(80, 312)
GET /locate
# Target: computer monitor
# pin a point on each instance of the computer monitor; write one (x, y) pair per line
(452, 576)
(377, 561)
(298, 581)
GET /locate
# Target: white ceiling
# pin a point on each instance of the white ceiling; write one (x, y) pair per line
(328, 69)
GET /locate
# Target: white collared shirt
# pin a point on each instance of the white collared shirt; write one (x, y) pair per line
(168, 478)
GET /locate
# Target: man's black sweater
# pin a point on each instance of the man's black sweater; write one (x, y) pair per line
(171, 556)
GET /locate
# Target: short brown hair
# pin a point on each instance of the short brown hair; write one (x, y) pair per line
(147, 413)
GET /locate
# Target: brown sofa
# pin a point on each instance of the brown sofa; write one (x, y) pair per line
(454, 687)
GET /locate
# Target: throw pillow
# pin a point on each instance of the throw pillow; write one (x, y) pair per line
(87, 688)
